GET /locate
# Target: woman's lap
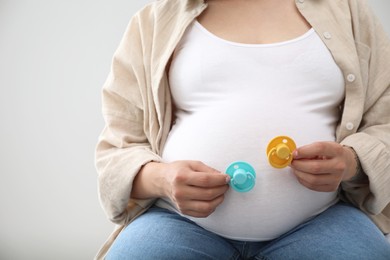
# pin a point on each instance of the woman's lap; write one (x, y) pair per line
(161, 234)
(341, 232)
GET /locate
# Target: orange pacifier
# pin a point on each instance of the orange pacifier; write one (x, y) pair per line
(279, 151)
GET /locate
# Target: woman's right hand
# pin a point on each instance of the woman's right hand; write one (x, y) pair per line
(195, 188)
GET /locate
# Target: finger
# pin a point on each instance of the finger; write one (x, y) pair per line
(317, 150)
(314, 180)
(207, 179)
(202, 194)
(201, 209)
(313, 166)
(319, 188)
(201, 167)
(324, 183)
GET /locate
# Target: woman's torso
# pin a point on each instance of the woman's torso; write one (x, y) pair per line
(231, 99)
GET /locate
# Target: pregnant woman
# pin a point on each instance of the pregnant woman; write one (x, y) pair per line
(196, 85)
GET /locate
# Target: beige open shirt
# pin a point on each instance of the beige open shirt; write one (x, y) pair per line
(138, 113)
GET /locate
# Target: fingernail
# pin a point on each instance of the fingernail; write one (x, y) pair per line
(295, 154)
(227, 178)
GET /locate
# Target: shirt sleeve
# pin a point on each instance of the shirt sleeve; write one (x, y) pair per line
(370, 190)
(123, 146)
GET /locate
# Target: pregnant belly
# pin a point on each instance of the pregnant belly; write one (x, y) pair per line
(278, 202)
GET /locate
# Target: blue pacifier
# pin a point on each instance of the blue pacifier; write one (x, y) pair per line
(242, 176)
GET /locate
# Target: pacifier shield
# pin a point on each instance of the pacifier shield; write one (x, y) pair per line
(242, 176)
(279, 151)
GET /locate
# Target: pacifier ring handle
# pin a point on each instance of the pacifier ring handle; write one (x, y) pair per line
(279, 151)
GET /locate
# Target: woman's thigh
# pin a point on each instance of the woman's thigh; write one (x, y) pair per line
(161, 234)
(341, 232)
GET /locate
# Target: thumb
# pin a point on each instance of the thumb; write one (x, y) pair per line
(201, 167)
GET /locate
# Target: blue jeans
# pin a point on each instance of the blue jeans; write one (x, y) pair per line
(341, 232)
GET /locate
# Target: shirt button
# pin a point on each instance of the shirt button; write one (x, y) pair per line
(351, 77)
(349, 126)
(327, 35)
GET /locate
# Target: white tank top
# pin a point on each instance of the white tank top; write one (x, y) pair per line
(231, 100)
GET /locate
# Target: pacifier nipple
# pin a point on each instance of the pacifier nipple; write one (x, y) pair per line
(279, 151)
(282, 151)
(242, 176)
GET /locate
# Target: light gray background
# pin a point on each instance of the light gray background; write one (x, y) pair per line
(54, 58)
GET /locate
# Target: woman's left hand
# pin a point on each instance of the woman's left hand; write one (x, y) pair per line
(322, 166)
